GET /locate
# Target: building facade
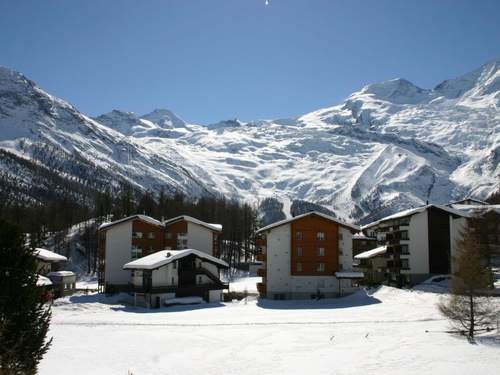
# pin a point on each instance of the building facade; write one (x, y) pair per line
(304, 257)
(137, 236)
(170, 274)
(420, 242)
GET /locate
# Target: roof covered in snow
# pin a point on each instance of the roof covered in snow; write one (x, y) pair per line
(352, 227)
(43, 281)
(161, 258)
(214, 227)
(468, 201)
(145, 218)
(475, 209)
(349, 275)
(61, 274)
(413, 211)
(49, 256)
(362, 236)
(371, 253)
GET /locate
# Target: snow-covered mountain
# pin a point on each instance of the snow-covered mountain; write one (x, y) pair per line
(389, 146)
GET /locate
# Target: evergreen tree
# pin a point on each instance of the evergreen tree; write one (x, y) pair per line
(467, 308)
(24, 318)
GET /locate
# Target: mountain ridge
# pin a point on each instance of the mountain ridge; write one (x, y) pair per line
(417, 145)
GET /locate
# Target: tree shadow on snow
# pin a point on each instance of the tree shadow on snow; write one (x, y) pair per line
(489, 339)
(360, 298)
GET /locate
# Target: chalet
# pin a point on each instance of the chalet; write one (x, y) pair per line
(48, 260)
(307, 256)
(136, 236)
(373, 264)
(419, 242)
(169, 274)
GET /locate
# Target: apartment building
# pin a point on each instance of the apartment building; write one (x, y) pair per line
(136, 236)
(307, 256)
(419, 242)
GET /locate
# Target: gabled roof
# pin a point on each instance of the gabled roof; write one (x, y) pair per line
(213, 227)
(163, 257)
(144, 218)
(413, 211)
(462, 201)
(475, 210)
(352, 227)
(362, 236)
(43, 281)
(49, 256)
(371, 253)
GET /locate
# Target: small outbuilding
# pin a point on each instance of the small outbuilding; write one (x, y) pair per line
(64, 283)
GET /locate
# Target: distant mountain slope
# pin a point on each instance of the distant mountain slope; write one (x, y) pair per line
(389, 146)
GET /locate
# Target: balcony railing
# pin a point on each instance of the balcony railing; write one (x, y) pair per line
(261, 257)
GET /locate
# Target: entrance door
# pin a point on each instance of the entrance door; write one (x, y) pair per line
(187, 271)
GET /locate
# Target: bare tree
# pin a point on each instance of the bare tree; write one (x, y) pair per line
(468, 309)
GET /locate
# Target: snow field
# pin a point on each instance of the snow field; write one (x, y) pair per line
(384, 332)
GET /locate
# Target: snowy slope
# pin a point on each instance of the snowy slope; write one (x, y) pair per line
(389, 146)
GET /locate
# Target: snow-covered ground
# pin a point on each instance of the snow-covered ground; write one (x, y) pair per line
(387, 331)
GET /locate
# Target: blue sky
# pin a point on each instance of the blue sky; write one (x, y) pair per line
(209, 60)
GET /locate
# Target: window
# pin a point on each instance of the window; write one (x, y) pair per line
(200, 280)
(341, 267)
(341, 236)
(321, 251)
(404, 235)
(182, 242)
(136, 234)
(299, 267)
(404, 249)
(320, 236)
(151, 235)
(299, 251)
(168, 235)
(298, 235)
(321, 267)
(405, 264)
(173, 281)
(136, 252)
(175, 265)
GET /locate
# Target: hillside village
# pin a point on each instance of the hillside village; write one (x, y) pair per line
(312, 272)
(309, 256)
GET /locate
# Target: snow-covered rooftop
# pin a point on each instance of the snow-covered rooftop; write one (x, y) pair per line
(328, 217)
(147, 219)
(161, 258)
(214, 227)
(349, 275)
(362, 236)
(49, 256)
(413, 211)
(43, 281)
(371, 253)
(475, 209)
(61, 273)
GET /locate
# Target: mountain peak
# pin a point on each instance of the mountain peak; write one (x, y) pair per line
(165, 118)
(398, 91)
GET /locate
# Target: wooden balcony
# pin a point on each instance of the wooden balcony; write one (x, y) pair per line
(261, 272)
(261, 288)
(261, 257)
(260, 242)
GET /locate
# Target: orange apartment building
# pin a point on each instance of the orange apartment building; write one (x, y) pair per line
(308, 256)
